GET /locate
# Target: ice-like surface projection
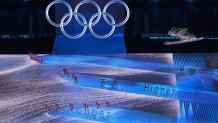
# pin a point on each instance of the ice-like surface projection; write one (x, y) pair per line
(25, 92)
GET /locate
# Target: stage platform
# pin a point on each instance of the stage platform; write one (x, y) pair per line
(27, 87)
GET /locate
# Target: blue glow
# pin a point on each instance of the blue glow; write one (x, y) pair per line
(88, 44)
(118, 62)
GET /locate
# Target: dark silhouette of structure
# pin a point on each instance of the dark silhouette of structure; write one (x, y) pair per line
(24, 28)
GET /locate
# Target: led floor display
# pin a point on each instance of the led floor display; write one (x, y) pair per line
(136, 88)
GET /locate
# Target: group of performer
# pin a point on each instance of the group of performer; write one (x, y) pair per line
(36, 58)
(72, 106)
(49, 108)
(68, 74)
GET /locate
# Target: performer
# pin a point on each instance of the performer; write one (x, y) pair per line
(66, 72)
(47, 108)
(57, 106)
(71, 106)
(34, 57)
(40, 60)
(75, 78)
(30, 55)
(108, 104)
(86, 107)
(98, 105)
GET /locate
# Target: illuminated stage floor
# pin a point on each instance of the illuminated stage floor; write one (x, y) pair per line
(27, 86)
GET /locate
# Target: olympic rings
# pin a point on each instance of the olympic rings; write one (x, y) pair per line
(90, 23)
(127, 10)
(104, 36)
(92, 2)
(47, 11)
(77, 36)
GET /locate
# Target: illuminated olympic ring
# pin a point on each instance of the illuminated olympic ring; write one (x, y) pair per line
(84, 22)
